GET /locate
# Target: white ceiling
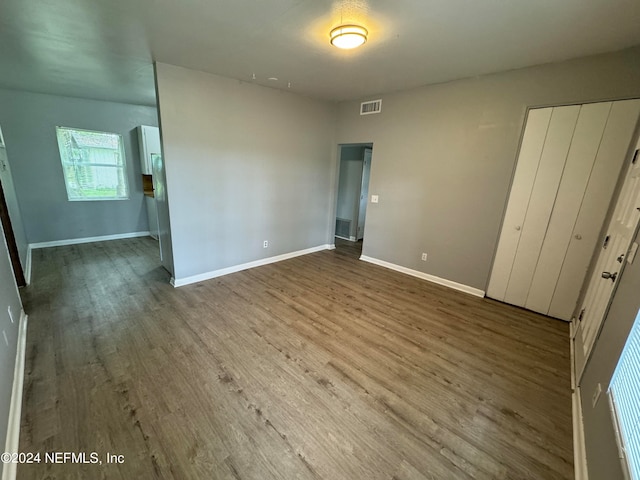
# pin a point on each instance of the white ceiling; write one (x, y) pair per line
(104, 49)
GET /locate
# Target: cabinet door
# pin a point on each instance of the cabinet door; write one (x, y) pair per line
(152, 141)
(145, 164)
(149, 142)
(541, 203)
(571, 193)
(533, 138)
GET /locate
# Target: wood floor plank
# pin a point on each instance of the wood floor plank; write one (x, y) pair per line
(318, 367)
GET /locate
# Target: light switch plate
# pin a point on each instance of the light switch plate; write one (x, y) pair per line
(632, 252)
(374, 198)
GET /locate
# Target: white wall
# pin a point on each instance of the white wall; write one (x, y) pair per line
(8, 297)
(244, 164)
(445, 156)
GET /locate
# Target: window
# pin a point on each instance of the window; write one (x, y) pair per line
(625, 399)
(93, 164)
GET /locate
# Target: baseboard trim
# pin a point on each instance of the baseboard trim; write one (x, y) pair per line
(579, 449)
(348, 239)
(179, 282)
(27, 269)
(425, 276)
(580, 468)
(75, 241)
(12, 442)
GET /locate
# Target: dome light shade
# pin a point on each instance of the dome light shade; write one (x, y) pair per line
(348, 36)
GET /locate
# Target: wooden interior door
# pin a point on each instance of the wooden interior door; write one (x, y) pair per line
(612, 256)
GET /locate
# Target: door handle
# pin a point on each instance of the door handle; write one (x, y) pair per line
(610, 276)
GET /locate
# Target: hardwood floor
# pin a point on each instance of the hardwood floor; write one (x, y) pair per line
(318, 367)
(349, 248)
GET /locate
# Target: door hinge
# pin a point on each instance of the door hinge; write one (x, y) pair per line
(606, 241)
(581, 314)
(635, 157)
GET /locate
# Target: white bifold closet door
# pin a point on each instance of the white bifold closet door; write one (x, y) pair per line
(567, 169)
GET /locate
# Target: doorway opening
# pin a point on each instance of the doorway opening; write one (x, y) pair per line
(10, 239)
(10, 219)
(353, 195)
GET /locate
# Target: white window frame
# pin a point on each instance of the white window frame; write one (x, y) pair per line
(64, 162)
(615, 414)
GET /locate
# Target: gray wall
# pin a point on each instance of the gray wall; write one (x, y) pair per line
(445, 156)
(349, 183)
(244, 164)
(602, 454)
(28, 122)
(8, 297)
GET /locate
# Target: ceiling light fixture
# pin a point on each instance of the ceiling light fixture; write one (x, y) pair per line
(348, 36)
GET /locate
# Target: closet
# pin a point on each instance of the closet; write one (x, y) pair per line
(568, 166)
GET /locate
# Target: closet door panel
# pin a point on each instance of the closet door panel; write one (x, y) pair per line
(541, 202)
(577, 170)
(533, 139)
(617, 137)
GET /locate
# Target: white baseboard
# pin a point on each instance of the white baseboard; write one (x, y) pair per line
(179, 282)
(75, 241)
(579, 449)
(27, 268)
(425, 276)
(331, 246)
(12, 442)
(580, 469)
(348, 239)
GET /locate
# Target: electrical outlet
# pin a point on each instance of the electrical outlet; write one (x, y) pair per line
(10, 313)
(374, 198)
(6, 340)
(265, 244)
(424, 257)
(596, 395)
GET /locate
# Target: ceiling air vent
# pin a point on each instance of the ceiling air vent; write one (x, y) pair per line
(374, 106)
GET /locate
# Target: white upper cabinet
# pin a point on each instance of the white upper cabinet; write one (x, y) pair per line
(149, 142)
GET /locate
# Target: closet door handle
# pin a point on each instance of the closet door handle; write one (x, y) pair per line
(518, 227)
(578, 236)
(610, 276)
